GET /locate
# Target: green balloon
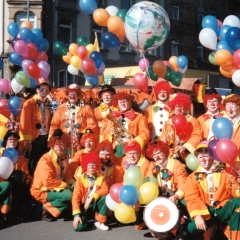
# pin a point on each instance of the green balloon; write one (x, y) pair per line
(212, 59)
(122, 13)
(176, 78)
(82, 41)
(133, 176)
(192, 162)
(60, 48)
(150, 179)
(151, 74)
(23, 79)
(168, 73)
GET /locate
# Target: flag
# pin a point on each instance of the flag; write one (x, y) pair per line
(96, 45)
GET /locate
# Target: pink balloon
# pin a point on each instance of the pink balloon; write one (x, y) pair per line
(236, 58)
(101, 69)
(141, 82)
(114, 192)
(5, 85)
(21, 48)
(25, 64)
(143, 64)
(44, 69)
(219, 24)
(167, 63)
(82, 52)
(88, 66)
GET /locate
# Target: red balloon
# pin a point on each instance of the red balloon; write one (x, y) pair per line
(180, 123)
(32, 51)
(4, 108)
(227, 151)
(33, 70)
(88, 66)
(42, 56)
(82, 52)
(141, 82)
(114, 192)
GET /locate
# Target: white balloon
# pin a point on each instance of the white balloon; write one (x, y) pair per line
(236, 78)
(182, 70)
(16, 87)
(112, 10)
(232, 21)
(72, 70)
(208, 38)
(6, 167)
(111, 204)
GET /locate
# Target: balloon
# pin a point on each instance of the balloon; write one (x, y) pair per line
(224, 45)
(15, 58)
(116, 25)
(129, 195)
(122, 13)
(16, 87)
(101, 16)
(3, 129)
(167, 63)
(60, 48)
(173, 62)
(82, 41)
(168, 73)
(82, 52)
(112, 10)
(111, 204)
(223, 31)
(44, 69)
(5, 85)
(88, 66)
(88, 6)
(13, 29)
(101, 69)
(73, 47)
(111, 40)
(223, 57)
(38, 32)
(4, 108)
(42, 56)
(150, 179)
(143, 64)
(72, 70)
(33, 70)
(75, 61)
(12, 154)
(6, 167)
(32, 51)
(228, 71)
(180, 123)
(33, 83)
(176, 78)
(211, 22)
(25, 64)
(211, 58)
(26, 34)
(146, 25)
(227, 151)
(192, 162)
(151, 74)
(182, 61)
(15, 105)
(212, 149)
(26, 24)
(236, 78)
(222, 128)
(96, 57)
(67, 58)
(23, 79)
(232, 21)
(208, 38)
(182, 70)
(125, 214)
(147, 192)
(133, 176)
(93, 80)
(159, 68)
(90, 47)
(232, 34)
(114, 191)
(141, 82)
(236, 58)
(21, 48)
(44, 45)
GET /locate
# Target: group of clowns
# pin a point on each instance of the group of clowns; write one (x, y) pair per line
(72, 156)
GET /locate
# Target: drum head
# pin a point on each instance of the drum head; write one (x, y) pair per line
(161, 215)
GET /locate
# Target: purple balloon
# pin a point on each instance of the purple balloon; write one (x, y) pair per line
(44, 69)
(101, 69)
(25, 64)
(212, 149)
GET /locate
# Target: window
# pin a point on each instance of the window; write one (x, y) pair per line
(22, 16)
(65, 31)
(99, 30)
(200, 15)
(127, 4)
(64, 78)
(174, 47)
(199, 52)
(100, 3)
(175, 12)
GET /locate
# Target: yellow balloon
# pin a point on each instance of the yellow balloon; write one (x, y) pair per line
(147, 192)
(124, 213)
(75, 61)
(90, 47)
(3, 131)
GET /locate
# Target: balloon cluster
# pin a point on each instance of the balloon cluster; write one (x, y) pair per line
(82, 56)
(121, 198)
(224, 39)
(29, 51)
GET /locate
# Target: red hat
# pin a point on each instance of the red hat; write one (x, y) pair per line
(182, 99)
(121, 96)
(41, 81)
(132, 145)
(163, 85)
(88, 133)
(210, 94)
(157, 144)
(58, 134)
(73, 88)
(105, 145)
(91, 157)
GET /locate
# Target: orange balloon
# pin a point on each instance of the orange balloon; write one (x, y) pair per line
(67, 58)
(101, 16)
(116, 25)
(73, 49)
(26, 24)
(121, 38)
(159, 68)
(173, 61)
(223, 57)
(227, 71)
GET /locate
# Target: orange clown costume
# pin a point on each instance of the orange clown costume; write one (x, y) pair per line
(5, 192)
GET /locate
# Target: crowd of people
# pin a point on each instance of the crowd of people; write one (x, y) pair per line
(70, 157)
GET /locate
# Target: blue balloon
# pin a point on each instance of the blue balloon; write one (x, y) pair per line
(97, 58)
(33, 82)
(26, 34)
(13, 29)
(15, 105)
(38, 32)
(129, 195)
(223, 31)
(12, 154)
(93, 80)
(224, 45)
(36, 40)
(222, 128)
(1, 64)
(15, 58)
(88, 6)
(211, 22)
(232, 34)
(111, 40)
(182, 61)
(236, 44)
(43, 46)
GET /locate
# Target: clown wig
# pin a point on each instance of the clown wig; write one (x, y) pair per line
(91, 157)
(233, 98)
(58, 134)
(180, 99)
(132, 145)
(105, 146)
(210, 94)
(88, 135)
(121, 96)
(73, 88)
(162, 86)
(157, 144)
